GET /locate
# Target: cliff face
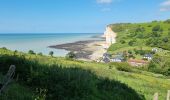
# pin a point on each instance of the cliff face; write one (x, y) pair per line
(110, 36)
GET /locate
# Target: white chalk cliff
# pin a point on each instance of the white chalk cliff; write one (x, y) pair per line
(110, 36)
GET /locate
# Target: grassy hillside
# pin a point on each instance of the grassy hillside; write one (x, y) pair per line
(51, 78)
(138, 39)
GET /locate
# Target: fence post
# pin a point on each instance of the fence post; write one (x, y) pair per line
(168, 95)
(155, 96)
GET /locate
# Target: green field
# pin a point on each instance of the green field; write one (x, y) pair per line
(51, 78)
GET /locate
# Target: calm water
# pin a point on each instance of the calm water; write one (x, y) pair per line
(40, 42)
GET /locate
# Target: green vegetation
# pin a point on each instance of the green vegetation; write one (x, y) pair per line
(141, 39)
(50, 78)
(70, 55)
(31, 52)
(51, 53)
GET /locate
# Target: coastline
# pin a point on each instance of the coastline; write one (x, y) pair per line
(88, 50)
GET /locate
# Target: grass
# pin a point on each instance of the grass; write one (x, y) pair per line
(91, 80)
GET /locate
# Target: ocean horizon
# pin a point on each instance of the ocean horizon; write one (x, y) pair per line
(39, 42)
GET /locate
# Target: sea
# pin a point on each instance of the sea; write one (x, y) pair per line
(39, 42)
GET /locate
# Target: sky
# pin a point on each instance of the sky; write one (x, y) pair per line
(76, 16)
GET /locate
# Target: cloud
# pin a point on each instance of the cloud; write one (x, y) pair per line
(104, 1)
(165, 6)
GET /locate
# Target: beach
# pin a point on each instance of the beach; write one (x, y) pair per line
(88, 50)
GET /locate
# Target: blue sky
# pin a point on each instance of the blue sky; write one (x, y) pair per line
(69, 16)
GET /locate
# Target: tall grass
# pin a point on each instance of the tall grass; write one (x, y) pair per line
(52, 77)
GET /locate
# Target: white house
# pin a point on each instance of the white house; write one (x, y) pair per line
(148, 56)
(154, 50)
(118, 58)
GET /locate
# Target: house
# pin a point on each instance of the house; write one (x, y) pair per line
(118, 58)
(106, 55)
(155, 50)
(148, 56)
(106, 58)
(134, 62)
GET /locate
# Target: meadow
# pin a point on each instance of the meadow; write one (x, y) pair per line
(49, 78)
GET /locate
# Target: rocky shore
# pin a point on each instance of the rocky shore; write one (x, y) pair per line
(84, 50)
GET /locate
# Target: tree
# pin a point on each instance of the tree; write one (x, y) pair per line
(71, 55)
(51, 53)
(31, 52)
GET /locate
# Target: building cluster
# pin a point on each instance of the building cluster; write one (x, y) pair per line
(107, 58)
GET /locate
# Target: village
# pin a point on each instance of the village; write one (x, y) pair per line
(128, 57)
(135, 57)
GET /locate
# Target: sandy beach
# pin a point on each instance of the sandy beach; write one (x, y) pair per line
(89, 50)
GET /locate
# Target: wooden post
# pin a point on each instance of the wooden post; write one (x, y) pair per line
(155, 96)
(168, 95)
(8, 78)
